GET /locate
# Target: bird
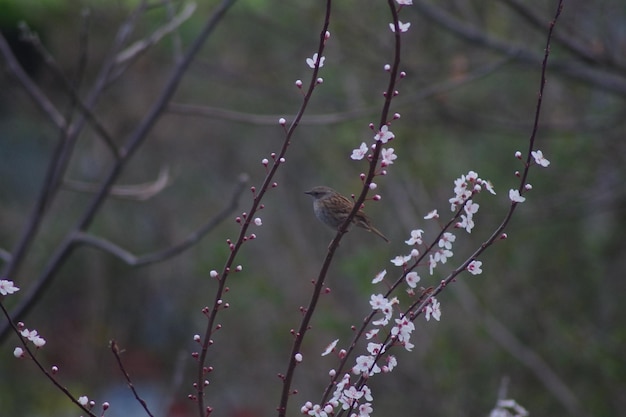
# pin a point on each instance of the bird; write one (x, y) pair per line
(332, 209)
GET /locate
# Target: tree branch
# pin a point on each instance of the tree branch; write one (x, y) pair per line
(134, 260)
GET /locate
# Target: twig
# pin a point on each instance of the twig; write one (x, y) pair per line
(66, 246)
(39, 365)
(71, 90)
(339, 117)
(612, 83)
(116, 352)
(140, 192)
(507, 340)
(39, 98)
(134, 260)
(139, 47)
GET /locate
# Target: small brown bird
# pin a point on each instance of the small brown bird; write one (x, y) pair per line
(332, 209)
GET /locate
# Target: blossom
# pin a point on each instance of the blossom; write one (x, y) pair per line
(358, 154)
(515, 196)
(391, 363)
(470, 207)
(405, 2)
(379, 302)
(431, 215)
(402, 331)
(311, 62)
(412, 279)
(403, 26)
(433, 310)
(379, 277)
(34, 337)
(330, 347)
(84, 400)
(384, 135)
(375, 348)
(416, 237)
(442, 255)
(539, 158)
(365, 410)
(18, 352)
(446, 240)
(489, 186)
(401, 260)
(258, 221)
(508, 408)
(432, 263)
(314, 410)
(466, 223)
(7, 287)
(371, 333)
(388, 156)
(474, 267)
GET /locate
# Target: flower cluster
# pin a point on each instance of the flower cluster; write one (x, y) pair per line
(346, 396)
(7, 287)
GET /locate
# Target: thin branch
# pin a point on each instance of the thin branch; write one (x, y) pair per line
(140, 192)
(48, 59)
(508, 341)
(584, 52)
(612, 83)
(116, 352)
(139, 47)
(66, 246)
(38, 97)
(39, 365)
(159, 256)
(339, 117)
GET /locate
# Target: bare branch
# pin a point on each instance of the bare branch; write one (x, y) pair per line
(141, 46)
(140, 192)
(132, 144)
(340, 117)
(508, 341)
(116, 352)
(601, 79)
(39, 365)
(33, 39)
(31, 88)
(134, 260)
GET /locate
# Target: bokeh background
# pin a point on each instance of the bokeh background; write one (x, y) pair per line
(547, 313)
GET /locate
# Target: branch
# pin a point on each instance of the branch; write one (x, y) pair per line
(133, 260)
(135, 140)
(116, 352)
(606, 81)
(141, 46)
(340, 117)
(508, 341)
(40, 366)
(140, 192)
(31, 88)
(33, 38)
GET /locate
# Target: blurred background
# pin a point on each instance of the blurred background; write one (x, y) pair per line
(547, 312)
